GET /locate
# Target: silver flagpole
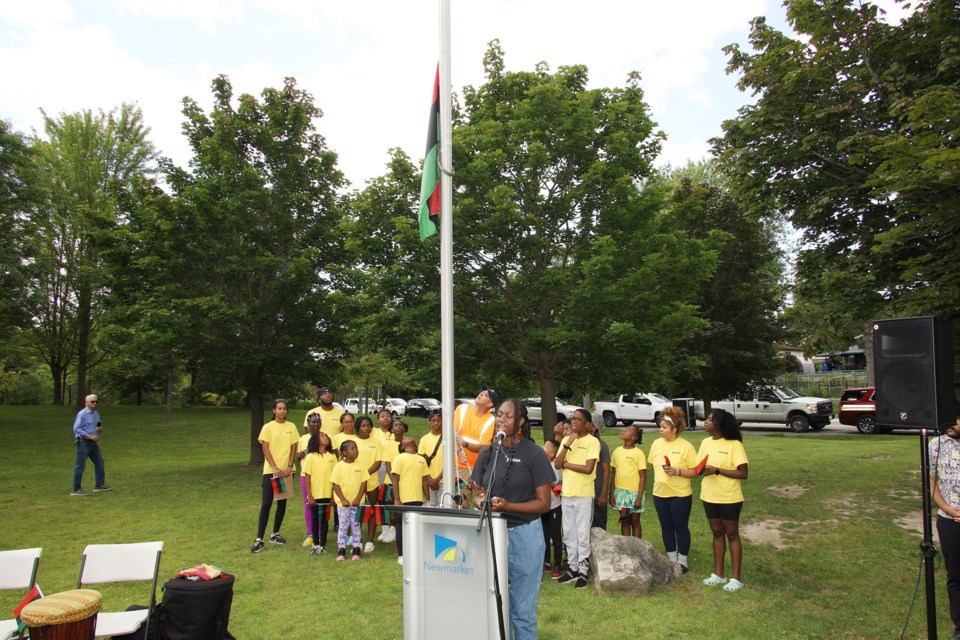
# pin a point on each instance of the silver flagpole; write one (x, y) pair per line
(446, 260)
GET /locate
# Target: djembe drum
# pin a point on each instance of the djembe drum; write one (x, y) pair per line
(69, 615)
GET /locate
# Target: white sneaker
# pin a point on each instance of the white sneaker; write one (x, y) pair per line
(383, 532)
(391, 535)
(368, 548)
(714, 580)
(400, 560)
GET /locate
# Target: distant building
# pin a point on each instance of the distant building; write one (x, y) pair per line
(853, 359)
(796, 352)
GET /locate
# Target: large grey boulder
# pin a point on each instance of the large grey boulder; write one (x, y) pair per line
(625, 564)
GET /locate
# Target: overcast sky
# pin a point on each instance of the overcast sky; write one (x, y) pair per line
(368, 63)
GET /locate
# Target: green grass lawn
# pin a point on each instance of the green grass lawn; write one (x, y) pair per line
(844, 566)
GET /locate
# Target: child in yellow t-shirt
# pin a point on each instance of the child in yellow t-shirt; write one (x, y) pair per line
(313, 426)
(410, 475)
(349, 480)
(628, 470)
(318, 490)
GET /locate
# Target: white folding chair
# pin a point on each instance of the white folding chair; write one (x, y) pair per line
(122, 563)
(18, 570)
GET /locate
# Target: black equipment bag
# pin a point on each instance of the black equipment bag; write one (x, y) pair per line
(196, 610)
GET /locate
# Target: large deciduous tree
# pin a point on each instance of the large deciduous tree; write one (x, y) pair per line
(262, 189)
(552, 234)
(90, 163)
(854, 134)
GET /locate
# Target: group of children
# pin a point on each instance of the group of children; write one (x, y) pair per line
(355, 473)
(359, 470)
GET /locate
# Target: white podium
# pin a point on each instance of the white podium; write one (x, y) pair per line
(448, 577)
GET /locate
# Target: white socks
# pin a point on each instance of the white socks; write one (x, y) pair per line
(672, 555)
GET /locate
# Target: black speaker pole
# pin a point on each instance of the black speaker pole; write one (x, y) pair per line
(926, 545)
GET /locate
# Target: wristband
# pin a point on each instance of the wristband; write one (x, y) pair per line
(717, 472)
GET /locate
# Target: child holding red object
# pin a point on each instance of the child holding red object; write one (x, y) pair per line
(673, 459)
(552, 519)
(349, 479)
(410, 475)
(628, 465)
(317, 470)
(371, 459)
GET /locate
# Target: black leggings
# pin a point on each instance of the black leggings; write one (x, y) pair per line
(266, 499)
(552, 536)
(674, 516)
(320, 527)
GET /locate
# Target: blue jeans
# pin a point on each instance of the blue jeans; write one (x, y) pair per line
(525, 549)
(87, 449)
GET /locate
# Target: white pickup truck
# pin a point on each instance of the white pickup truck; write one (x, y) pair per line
(777, 404)
(632, 407)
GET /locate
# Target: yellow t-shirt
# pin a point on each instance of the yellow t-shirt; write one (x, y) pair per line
(280, 436)
(411, 469)
(576, 484)
(319, 466)
(427, 444)
(723, 454)
(682, 456)
(349, 477)
(383, 437)
(329, 420)
(474, 428)
(369, 454)
(628, 463)
(388, 452)
(338, 439)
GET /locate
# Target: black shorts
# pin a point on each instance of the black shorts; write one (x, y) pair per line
(717, 511)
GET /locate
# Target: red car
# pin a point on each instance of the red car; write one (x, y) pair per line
(858, 408)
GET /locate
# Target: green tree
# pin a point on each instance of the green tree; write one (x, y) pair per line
(739, 302)
(261, 193)
(854, 135)
(551, 230)
(89, 164)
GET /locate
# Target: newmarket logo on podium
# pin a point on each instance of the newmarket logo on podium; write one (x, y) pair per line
(453, 559)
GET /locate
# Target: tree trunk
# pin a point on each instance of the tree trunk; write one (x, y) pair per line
(168, 397)
(139, 400)
(56, 372)
(548, 403)
(868, 352)
(256, 423)
(84, 303)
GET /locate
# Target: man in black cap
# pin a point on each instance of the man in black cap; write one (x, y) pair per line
(329, 413)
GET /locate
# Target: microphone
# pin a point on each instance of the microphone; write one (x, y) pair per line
(499, 437)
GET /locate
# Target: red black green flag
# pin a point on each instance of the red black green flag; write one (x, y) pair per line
(430, 183)
(33, 594)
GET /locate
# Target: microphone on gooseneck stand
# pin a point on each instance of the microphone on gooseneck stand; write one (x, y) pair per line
(499, 437)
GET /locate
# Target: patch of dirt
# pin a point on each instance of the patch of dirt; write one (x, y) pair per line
(881, 456)
(844, 506)
(765, 532)
(789, 491)
(912, 522)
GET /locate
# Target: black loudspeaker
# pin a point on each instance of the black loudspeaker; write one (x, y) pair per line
(913, 361)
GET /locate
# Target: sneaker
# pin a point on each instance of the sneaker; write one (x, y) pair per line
(276, 538)
(566, 577)
(79, 492)
(368, 548)
(684, 569)
(341, 554)
(733, 586)
(390, 535)
(308, 542)
(257, 546)
(317, 550)
(581, 583)
(399, 559)
(714, 580)
(556, 573)
(101, 488)
(546, 566)
(383, 532)
(356, 553)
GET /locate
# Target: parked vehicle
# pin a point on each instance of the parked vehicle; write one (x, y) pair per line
(459, 401)
(631, 407)
(777, 404)
(535, 414)
(360, 405)
(396, 406)
(422, 407)
(858, 407)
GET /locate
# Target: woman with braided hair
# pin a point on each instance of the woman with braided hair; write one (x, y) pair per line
(521, 487)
